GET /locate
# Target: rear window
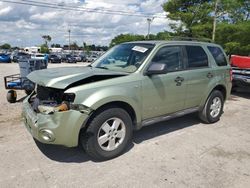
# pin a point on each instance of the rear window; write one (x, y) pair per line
(218, 55)
(196, 57)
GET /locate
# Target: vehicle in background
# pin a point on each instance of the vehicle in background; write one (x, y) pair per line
(70, 59)
(77, 58)
(54, 59)
(240, 71)
(38, 56)
(5, 58)
(84, 58)
(91, 58)
(15, 56)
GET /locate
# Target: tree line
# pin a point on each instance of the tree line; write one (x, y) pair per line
(227, 20)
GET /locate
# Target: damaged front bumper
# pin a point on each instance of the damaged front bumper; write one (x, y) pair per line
(60, 128)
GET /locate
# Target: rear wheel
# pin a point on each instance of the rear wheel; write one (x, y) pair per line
(213, 108)
(108, 134)
(11, 96)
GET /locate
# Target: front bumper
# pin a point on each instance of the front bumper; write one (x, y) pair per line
(60, 128)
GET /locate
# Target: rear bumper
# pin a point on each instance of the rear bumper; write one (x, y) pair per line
(240, 80)
(60, 128)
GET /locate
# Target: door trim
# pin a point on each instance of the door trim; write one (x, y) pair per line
(169, 116)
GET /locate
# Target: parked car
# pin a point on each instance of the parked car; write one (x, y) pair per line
(83, 58)
(91, 58)
(241, 71)
(78, 58)
(54, 59)
(100, 105)
(19, 55)
(70, 59)
(38, 56)
(4, 58)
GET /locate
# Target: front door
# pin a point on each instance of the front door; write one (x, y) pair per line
(165, 93)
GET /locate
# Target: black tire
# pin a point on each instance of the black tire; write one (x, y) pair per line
(205, 114)
(89, 138)
(11, 96)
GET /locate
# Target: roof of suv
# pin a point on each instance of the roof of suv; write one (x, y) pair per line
(159, 42)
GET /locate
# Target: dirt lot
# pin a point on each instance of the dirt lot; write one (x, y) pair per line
(179, 153)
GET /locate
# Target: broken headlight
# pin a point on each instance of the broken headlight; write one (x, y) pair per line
(81, 108)
(69, 97)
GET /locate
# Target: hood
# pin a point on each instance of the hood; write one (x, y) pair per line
(64, 77)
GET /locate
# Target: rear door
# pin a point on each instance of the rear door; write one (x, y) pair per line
(199, 74)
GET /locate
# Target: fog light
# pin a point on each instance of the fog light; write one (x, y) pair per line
(47, 135)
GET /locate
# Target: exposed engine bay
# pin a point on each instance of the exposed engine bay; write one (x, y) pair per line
(46, 99)
(49, 100)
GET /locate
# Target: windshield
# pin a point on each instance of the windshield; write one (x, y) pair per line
(125, 57)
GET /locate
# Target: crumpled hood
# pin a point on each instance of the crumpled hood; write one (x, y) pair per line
(62, 77)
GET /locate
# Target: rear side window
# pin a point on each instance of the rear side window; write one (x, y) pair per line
(171, 56)
(218, 55)
(196, 57)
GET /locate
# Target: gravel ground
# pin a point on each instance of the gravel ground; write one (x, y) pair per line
(178, 153)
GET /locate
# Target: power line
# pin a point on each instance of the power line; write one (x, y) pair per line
(81, 9)
(84, 8)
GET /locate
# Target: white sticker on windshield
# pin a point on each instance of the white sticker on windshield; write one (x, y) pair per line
(140, 49)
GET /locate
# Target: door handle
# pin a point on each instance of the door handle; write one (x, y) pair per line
(179, 79)
(210, 75)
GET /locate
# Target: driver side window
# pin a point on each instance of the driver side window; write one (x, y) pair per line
(171, 56)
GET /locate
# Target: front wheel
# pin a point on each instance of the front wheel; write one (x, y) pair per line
(108, 134)
(213, 108)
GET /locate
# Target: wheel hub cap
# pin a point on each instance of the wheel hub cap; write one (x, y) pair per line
(215, 107)
(111, 134)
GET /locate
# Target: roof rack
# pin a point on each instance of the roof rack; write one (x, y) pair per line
(192, 39)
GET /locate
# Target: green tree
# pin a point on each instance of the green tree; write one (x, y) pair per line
(126, 38)
(44, 49)
(5, 46)
(47, 39)
(189, 14)
(55, 46)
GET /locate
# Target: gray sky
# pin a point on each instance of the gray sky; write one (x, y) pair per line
(23, 25)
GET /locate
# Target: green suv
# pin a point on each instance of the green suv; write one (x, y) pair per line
(132, 85)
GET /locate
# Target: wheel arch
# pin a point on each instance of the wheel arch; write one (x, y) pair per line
(218, 87)
(121, 104)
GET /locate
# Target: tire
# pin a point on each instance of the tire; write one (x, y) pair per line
(101, 127)
(11, 96)
(213, 108)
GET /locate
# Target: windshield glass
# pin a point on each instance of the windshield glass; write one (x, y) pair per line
(125, 57)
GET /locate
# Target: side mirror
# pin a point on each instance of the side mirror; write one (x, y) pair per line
(157, 68)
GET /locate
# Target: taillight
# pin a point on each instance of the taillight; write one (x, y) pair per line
(231, 74)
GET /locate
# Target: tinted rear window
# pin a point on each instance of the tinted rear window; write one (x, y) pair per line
(196, 57)
(218, 55)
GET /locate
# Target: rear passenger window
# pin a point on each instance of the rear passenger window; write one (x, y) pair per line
(196, 57)
(218, 55)
(171, 56)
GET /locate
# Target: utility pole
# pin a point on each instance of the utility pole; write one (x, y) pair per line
(149, 20)
(215, 17)
(69, 38)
